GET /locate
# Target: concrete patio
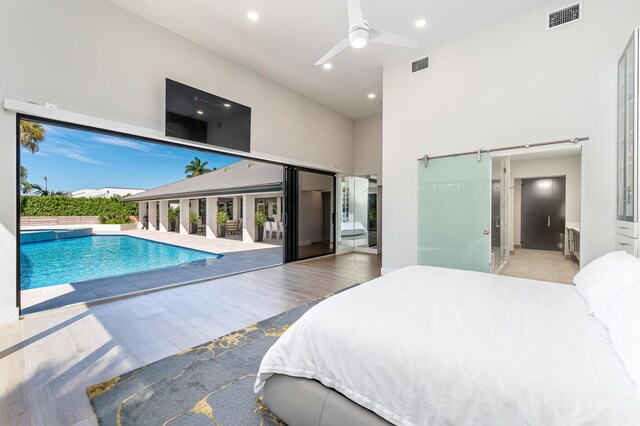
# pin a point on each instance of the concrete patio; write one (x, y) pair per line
(238, 257)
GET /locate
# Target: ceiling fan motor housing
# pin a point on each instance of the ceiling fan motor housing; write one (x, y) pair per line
(359, 33)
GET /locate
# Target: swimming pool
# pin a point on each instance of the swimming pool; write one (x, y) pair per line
(38, 235)
(49, 263)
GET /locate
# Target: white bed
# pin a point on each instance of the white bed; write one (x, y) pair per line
(352, 229)
(432, 346)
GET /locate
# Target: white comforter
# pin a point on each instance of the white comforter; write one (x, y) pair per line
(432, 346)
(352, 228)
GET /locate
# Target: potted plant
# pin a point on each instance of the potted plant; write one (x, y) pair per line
(193, 222)
(223, 218)
(174, 217)
(260, 220)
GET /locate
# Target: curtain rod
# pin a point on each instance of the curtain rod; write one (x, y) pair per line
(479, 151)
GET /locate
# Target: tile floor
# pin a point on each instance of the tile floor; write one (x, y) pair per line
(541, 265)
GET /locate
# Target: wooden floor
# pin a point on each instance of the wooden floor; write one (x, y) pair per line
(47, 361)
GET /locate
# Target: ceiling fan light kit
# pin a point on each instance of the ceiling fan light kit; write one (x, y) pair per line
(360, 34)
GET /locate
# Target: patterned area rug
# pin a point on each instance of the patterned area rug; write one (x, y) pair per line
(208, 384)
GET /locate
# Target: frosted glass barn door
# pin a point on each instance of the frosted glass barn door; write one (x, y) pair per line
(454, 212)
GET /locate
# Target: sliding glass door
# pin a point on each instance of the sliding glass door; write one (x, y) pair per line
(310, 218)
(454, 212)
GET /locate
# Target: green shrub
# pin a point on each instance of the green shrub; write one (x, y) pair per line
(67, 206)
(174, 214)
(260, 218)
(114, 220)
(193, 217)
(223, 218)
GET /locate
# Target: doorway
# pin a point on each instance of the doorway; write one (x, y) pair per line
(542, 220)
(542, 214)
(236, 214)
(309, 223)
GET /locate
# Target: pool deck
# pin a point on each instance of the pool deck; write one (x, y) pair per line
(238, 257)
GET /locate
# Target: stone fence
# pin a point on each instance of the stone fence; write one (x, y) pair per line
(58, 220)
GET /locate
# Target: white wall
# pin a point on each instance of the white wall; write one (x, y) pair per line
(367, 158)
(568, 166)
(92, 57)
(509, 84)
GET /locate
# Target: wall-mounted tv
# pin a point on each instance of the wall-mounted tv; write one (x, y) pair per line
(199, 116)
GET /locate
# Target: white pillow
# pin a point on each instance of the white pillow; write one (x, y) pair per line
(602, 279)
(621, 316)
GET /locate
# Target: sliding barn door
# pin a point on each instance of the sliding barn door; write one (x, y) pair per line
(454, 212)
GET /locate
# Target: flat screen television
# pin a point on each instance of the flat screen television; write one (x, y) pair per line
(199, 116)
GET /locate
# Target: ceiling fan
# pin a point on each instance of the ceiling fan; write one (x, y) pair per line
(360, 34)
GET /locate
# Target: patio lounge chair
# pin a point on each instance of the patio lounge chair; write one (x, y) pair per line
(232, 227)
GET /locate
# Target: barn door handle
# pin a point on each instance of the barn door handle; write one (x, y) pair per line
(548, 221)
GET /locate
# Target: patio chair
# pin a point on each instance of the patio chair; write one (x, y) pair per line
(232, 227)
(268, 230)
(276, 228)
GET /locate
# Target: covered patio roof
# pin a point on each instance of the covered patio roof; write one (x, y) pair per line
(243, 177)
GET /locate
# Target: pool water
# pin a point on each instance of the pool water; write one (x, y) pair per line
(44, 264)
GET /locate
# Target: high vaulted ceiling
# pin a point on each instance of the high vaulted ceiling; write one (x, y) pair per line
(291, 35)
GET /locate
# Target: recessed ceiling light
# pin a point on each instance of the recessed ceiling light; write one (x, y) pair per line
(227, 105)
(327, 66)
(421, 23)
(253, 16)
(371, 95)
(200, 112)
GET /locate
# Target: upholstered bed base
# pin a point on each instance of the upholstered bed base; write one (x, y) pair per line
(304, 402)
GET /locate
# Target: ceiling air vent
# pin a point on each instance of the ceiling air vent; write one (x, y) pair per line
(420, 64)
(565, 15)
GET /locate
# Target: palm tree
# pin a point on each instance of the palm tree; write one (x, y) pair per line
(31, 135)
(45, 192)
(25, 186)
(196, 168)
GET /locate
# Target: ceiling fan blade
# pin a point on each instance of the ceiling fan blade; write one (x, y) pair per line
(383, 37)
(354, 9)
(333, 52)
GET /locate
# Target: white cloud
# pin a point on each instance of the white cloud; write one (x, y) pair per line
(142, 147)
(67, 149)
(124, 143)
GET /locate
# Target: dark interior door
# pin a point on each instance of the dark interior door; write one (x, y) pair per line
(543, 213)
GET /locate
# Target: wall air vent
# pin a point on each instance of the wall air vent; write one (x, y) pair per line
(420, 64)
(565, 15)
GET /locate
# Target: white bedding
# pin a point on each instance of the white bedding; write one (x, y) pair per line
(432, 346)
(348, 229)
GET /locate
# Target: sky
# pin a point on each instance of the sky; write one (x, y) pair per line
(74, 159)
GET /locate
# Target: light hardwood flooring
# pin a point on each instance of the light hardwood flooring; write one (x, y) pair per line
(47, 360)
(541, 265)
